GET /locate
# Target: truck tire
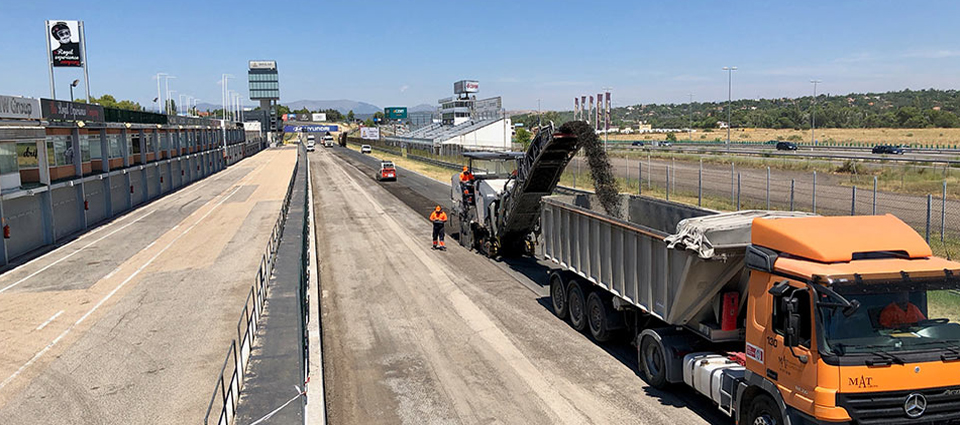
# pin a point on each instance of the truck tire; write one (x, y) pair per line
(763, 410)
(651, 362)
(599, 318)
(577, 306)
(558, 296)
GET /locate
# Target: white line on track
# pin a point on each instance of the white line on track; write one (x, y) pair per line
(60, 337)
(193, 188)
(74, 253)
(44, 324)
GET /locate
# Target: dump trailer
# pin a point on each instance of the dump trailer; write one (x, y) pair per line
(500, 210)
(777, 317)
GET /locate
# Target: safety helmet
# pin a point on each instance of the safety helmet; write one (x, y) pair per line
(437, 209)
(464, 168)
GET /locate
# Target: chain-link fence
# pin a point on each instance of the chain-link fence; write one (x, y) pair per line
(935, 215)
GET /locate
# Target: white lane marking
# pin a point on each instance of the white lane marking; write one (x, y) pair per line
(195, 187)
(56, 340)
(109, 275)
(74, 253)
(44, 324)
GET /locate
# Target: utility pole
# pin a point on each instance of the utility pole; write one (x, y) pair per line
(729, 70)
(690, 117)
(813, 113)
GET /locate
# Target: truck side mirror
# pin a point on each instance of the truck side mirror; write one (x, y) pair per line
(791, 318)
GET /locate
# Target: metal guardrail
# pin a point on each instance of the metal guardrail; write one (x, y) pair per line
(226, 392)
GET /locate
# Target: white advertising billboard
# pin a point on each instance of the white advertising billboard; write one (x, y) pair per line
(23, 108)
(263, 64)
(370, 133)
(319, 117)
(64, 41)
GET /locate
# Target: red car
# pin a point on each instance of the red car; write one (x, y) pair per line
(387, 171)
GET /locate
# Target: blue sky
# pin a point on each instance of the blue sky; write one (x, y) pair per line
(407, 53)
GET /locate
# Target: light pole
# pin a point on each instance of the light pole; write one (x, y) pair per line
(223, 99)
(606, 119)
(813, 113)
(180, 98)
(72, 85)
(170, 106)
(729, 70)
(690, 117)
(539, 120)
(166, 81)
(159, 99)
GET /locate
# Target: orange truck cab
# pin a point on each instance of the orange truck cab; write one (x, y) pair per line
(848, 320)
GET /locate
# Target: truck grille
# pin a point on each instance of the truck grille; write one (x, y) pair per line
(942, 406)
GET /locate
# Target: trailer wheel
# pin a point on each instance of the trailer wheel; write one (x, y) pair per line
(558, 296)
(651, 362)
(763, 411)
(577, 306)
(462, 237)
(598, 317)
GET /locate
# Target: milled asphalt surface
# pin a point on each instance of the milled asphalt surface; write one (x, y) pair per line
(414, 336)
(130, 323)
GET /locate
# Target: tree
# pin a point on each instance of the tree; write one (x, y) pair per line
(302, 110)
(350, 116)
(522, 137)
(108, 101)
(171, 107)
(282, 110)
(671, 137)
(378, 116)
(368, 123)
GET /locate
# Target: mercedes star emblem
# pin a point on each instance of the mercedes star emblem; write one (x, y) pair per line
(915, 405)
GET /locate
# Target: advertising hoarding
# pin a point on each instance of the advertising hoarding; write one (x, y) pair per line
(263, 64)
(396, 113)
(310, 128)
(466, 86)
(64, 41)
(319, 117)
(370, 133)
(61, 110)
(23, 108)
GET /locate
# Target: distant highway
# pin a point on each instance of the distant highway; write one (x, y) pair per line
(804, 152)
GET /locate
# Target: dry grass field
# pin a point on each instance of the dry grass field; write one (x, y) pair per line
(864, 136)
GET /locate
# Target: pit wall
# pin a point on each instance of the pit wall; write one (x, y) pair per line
(46, 215)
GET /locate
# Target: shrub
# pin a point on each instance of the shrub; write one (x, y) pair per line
(794, 138)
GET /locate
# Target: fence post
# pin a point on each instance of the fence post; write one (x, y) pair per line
(577, 171)
(700, 185)
(874, 195)
(640, 177)
(929, 204)
(738, 191)
(673, 171)
(814, 192)
(792, 183)
(853, 201)
(768, 188)
(649, 172)
(668, 182)
(943, 211)
(733, 193)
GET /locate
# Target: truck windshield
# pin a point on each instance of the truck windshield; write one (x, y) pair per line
(900, 316)
(493, 168)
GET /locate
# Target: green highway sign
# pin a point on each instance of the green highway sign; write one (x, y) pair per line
(397, 113)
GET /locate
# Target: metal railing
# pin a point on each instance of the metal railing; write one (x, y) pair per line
(226, 392)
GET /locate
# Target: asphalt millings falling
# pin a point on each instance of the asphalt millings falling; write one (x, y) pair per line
(604, 183)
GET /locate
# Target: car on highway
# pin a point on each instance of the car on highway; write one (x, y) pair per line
(884, 149)
(637, 144)
(366, 149)
(786, 146)
(388, 171)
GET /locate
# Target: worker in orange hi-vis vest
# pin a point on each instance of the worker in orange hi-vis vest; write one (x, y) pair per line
(438, 217)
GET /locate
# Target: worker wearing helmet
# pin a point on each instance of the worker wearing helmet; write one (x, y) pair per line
(466, 176)
(438, 217)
